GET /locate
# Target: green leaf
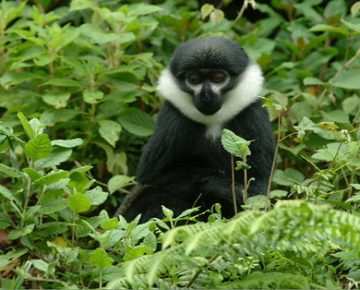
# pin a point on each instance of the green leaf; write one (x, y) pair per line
(355, 8)
(348, 79)
(8, 171)
(288, 177)
(278, 193)
(6, 193)
(338, 116)
(351, 105)
(352, 26)
(97, 195)
(206, 10)
(137, 122)
(110, 224)
(63, 83)
(167, 212)
(54, 159)
(58, 100)
(119, 181)
(79, 181)
(143, 9)
(40, 265)
(26, 125)
(51, 178)
(110, 131)
(92, 97)
(329, 28)
(71, 143)
(100, 259)
(234, 144)
(81, 4)
(38, 147)
(309, 81)
(79, 202)
(99, 36)
(15, 234)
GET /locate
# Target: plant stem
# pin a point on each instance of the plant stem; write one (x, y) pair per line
(198, 272)
(233, 188)
(278, 139)
(246, 185)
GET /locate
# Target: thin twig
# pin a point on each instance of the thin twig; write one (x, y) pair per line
(278, 139)
(198, 272)
(233, 187)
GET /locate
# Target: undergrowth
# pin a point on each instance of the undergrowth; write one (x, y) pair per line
(78, 101)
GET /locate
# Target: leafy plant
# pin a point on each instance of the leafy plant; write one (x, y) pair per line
(78, 100)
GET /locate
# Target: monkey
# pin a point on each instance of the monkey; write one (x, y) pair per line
(210, 84)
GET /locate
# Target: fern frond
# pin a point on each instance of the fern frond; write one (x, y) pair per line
(273, 280)
(294, 226)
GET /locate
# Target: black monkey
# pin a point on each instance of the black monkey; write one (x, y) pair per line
(209, 85)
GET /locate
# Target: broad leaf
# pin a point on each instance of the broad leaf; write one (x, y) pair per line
(137, 122)
(79, 202)
(38, 147)
(110, 131)
(100, 259)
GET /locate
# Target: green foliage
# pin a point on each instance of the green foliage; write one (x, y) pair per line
(78, 101)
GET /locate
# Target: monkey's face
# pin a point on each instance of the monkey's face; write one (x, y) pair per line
(207, 87)
(210, 80)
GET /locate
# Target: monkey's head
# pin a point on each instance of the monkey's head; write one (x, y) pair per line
(210, 80)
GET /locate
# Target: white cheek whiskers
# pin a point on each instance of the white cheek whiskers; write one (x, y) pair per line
(242, 95)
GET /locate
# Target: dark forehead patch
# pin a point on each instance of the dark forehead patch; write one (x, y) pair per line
(209, 53)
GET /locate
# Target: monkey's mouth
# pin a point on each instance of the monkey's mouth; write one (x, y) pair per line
(207, 110)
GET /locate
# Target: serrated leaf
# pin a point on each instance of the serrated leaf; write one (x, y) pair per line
(137, 122)
(110, 131)
(234, 144)
(70, 143)
(8, 171)
(51, 178)
(37, 127)
(79, 181)
(97, 195)
(100, 259)
(58, 100)
(39, 147)
(79, 202)
(118, 182)
(26, 125)
(92, 97)
(54, 159)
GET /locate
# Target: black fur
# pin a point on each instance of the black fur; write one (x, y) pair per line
(180, 161)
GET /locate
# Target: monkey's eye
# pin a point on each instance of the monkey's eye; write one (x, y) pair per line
(194, 78)
(218, 77)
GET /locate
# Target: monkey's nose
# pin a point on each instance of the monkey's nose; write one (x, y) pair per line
(206, 98)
